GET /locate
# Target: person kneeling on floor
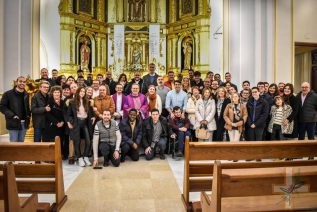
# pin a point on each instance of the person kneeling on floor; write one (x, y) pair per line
(155, 134)
(107, 139)
(131, 132)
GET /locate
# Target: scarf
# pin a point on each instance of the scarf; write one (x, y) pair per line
(152, 100)
(237, 112)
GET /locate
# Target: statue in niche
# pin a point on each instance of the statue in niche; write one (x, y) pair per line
(84, 55)
(136, 54)
(137, 10)
(187, 50)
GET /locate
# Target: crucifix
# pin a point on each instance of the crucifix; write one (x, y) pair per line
(293, 184)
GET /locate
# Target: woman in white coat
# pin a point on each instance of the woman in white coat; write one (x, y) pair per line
(191, 110)
(205, 112)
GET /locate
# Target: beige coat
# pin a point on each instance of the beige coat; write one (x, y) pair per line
(206, 113)
(191, 109)
(228, 116)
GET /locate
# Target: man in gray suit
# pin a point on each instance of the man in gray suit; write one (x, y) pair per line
(149, 79)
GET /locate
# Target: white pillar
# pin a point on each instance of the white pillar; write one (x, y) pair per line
(284, 42)
(1, 47)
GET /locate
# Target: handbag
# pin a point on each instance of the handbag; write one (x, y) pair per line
(202, 133)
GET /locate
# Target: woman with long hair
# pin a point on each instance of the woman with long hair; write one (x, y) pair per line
(205, 113)
(55, 120)
(70, 80)
(235, 115)
(89, 92)
(186, 86)
(221, 103)
(60, 80)
(153, 99)
(123, 80)
(80, 117)
(273, 90)
(291, 100)
(279, 112)
(191, 110)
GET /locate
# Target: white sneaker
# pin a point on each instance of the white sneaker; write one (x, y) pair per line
(86, 159)
(81, 162)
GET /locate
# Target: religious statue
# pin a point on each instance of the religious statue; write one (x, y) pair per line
(137, 10)
(84, 55)
(187, 49)
(136, 54)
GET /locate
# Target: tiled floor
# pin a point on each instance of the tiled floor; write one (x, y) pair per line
(134, 186)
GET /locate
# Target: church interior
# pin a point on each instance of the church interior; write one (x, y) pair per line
(255, 40)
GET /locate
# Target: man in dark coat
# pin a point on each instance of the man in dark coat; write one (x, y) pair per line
(39, 108)
(258, 111)
(15, 106)
(307, 115)
(44, 77)
(110, 82)
(155, 133)
(131, 135)
(136, 80)
(149, 79)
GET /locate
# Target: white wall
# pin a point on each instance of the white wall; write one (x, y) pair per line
(1, 46)
(49, 35)
(216, 40)
(250, 28)
(305, 17)
(17, 34)
(284, 43)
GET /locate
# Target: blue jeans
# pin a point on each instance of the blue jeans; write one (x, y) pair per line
(17, 135)
(310, 127)
(181, 139)
(38, 135)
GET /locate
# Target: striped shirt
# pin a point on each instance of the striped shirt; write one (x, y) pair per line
(278, 118)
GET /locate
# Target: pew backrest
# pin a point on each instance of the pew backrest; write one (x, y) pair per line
(9, 193)
(268, 180)
(52, 171)
(199, 157)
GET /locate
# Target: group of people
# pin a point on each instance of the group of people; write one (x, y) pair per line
(116, 119)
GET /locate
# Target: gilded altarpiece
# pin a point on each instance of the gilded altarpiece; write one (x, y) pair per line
(180, 43)
(83, 36)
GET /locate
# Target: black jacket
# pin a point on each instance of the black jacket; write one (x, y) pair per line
(293, 102)
(53, 117)
(147, 82)
(220, 121)
(127, 90)
(268, 99)
(126, 132)
(307, 111)
(112, 85)
(148, 130)
(10, 106)
(38, 104)
(51, 81)
(72, 118)
(261, 112)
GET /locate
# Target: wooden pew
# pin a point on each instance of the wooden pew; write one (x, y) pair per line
(199, 157)
(261, 186)
(52, 172)
(9, 194)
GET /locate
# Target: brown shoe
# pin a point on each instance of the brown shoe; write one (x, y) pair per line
(71, 161)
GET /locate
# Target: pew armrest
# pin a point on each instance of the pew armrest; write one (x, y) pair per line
(205, 201)
(29, 203)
